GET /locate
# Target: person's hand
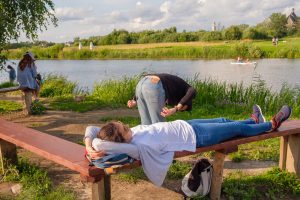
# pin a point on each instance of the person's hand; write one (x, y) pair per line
(93, 153)
(168, 112)
(131, 103)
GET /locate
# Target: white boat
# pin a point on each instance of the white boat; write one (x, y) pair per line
(243, 63)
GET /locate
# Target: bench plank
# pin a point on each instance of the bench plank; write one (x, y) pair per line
(61, 151)
(11, 89)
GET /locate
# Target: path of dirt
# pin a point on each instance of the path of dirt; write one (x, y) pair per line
(71, 126)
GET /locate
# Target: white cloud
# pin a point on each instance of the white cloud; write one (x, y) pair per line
(101, 17)
(69, 14)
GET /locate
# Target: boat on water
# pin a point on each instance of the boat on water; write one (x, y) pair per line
(243, 63)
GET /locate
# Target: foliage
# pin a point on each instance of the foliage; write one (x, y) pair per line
(274, 184)
(26, 16)
(7, 85)
(233, 33)
(37, 108)
(9, 106)
(36, 183)
(277, 25)
(55, 86)
(178, 170)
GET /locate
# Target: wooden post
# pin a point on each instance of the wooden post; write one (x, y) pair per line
(283, 152)
(217, 177)
(101, 190)
(28, 101)
(293, 154)
(8, 154)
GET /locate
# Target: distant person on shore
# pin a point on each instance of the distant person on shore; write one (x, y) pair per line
(155, 91)
(27, 74)
(12, 73)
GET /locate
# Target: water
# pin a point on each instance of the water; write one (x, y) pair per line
(274, 72)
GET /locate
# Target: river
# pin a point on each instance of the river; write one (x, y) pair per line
(274, 72)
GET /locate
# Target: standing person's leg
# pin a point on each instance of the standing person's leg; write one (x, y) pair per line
(141, 103)
(214, 133)
(154, 95)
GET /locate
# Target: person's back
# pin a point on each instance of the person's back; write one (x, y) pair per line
(165, 136)
(26, 76)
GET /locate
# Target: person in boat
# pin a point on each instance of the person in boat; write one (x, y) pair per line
(239, 60)
(156, 144)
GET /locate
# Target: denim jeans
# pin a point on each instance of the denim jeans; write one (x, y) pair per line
(214, 131)
(150, 100)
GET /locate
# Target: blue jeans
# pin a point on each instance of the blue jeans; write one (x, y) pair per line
(214, 131)
(150, 100)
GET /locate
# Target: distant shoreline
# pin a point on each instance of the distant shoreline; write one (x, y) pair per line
(287, 48)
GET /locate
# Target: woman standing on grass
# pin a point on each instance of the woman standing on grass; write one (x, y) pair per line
(155, 91)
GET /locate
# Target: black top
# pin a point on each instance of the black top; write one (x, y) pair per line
(177, 90)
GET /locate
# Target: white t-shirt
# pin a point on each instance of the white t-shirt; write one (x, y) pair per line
(155, 145)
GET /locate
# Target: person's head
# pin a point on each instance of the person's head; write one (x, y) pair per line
(28, 58)
(9, 67)
(115, 131)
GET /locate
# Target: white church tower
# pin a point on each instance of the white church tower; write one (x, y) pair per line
(214, 27)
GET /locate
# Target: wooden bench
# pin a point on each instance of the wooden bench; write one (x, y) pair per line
(71, 155)
(27, 95)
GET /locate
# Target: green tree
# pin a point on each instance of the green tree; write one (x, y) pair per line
(23, 16)
(233, 33)
(277, 24)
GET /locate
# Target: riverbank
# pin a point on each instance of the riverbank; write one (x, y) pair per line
(286, 48)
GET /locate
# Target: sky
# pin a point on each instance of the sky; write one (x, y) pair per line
(85, 18)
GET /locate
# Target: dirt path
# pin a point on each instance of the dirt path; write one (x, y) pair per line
(71, 126)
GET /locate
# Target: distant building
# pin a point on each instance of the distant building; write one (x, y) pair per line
(214, 27)
(91, 46)
(292, 19)
(80, 46)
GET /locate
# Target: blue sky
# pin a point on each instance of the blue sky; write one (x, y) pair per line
(84, 18)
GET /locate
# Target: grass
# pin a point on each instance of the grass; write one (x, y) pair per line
(35, 183)
(184, 50)
(9, 106)
(274, 184)
(7, 85)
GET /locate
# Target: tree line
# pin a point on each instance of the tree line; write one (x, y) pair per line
(273, 26)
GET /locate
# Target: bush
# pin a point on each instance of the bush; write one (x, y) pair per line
(211, 36)
(37, 108)
(255, 52)
(55, 85)
(233, 33)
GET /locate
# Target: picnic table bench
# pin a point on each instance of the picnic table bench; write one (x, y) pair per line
(71, 155)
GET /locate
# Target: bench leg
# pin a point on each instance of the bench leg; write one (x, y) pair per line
(28, 101)
(101, 190)
(217, 177)
(8, 154)
(290, 158)
(283, 152)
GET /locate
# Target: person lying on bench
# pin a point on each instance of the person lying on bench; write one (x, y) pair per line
(155, 144)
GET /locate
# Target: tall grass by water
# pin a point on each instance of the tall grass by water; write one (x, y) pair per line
(214, 96)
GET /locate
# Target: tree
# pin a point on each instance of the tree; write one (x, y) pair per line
(233, 33)
(23, 16)
(277, 24)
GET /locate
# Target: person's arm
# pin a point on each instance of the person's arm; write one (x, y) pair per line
(181, 106)
(189, 95)
(90, 134)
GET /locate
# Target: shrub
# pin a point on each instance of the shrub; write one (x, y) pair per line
(55, 85)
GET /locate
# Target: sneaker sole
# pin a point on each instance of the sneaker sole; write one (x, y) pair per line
(263, 117)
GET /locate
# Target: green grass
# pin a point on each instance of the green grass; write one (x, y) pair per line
(9, 106)
(274, 184)
(35, 183)
(131, 121)
(7, 85)
(191, 50)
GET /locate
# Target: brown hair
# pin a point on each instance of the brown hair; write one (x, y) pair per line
(25, 60)
(111, 132)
